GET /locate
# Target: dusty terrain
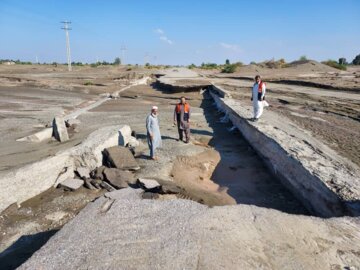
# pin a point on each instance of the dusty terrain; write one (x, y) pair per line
(31, 96)
(331, 115)
(217, 168)
(234, 176)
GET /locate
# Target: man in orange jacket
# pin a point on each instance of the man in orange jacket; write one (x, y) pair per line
(182, 119)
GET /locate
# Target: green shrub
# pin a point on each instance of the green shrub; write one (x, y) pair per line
(303, 58)
(209, 66)
(229, 68)
(88, 83)
(334, 64)
(192, 66)
(356, 60)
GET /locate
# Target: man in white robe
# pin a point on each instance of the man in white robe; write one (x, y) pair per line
(153, 132)
(258, 96)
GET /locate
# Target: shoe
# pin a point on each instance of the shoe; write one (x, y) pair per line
(256, 119)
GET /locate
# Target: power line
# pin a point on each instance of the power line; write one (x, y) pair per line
(67, 29)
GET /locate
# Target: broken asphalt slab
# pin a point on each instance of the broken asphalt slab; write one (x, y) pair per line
(122, 231)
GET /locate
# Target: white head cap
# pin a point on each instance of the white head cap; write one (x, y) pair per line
(154, 108)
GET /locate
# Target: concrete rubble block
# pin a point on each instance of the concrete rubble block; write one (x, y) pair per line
(40, 136)
(66, 173)
(183, 234)
(72, 122)
(32, 179)
(99, 173)
(106, 186)
(88, 184)
(72, 183)
(121, 158)
(119, 178)
(133, 142)
(89, 152)
(59, 129)
(83, 172)
(124, 135)
(148, 184)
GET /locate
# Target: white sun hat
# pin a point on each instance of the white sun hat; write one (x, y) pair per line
(155, 108)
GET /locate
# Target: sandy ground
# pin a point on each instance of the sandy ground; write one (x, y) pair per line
(31, 96)
(233, 174)
(236, 174)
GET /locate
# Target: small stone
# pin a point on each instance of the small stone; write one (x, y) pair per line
(88, 184)
(106, 186)
(83, 172)
(148, 183)
(99, 173)
(72, 184)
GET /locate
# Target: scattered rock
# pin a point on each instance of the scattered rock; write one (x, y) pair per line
(72, 122)
(40, 136)
(150, 196)
(88, 184)
(133, 142)
(83, 172)
(106, 186)
(99, 173)
(124, 135)
(121, 158)
(119, 178)
(59, 129)
(72, 184)
(148, 184)
(96, 184)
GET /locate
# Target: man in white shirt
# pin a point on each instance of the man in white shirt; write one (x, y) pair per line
(258, 96)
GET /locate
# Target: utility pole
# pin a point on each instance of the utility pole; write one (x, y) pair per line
(146, 58)
(67, 29)
(123, 50)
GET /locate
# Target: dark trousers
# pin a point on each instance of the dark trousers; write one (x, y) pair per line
(182, 131)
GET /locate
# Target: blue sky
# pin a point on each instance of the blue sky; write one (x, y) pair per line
(180, 32)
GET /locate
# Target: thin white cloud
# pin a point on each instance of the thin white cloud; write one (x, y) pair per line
(232, 47)
(162, 36)
(159, 31)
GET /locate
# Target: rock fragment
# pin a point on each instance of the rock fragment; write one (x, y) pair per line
(72, 184)
(83, 172)
(124, 135)
(121, 158)
(148, 184)
(59, 129)
(119, 178)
